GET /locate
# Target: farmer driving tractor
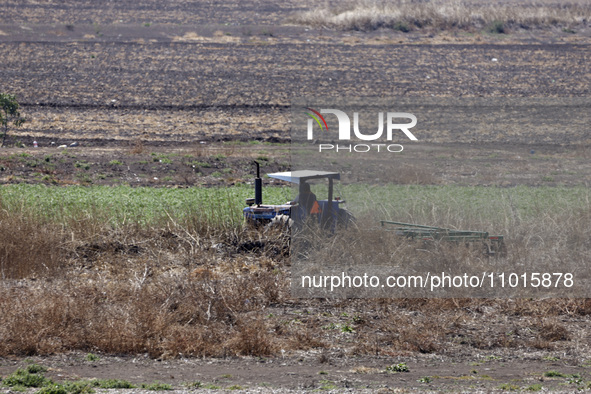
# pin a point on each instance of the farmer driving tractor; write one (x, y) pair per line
(308, 204)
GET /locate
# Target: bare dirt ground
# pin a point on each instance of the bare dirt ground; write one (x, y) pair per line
(230, 163)
(174, 95)
(324, 371)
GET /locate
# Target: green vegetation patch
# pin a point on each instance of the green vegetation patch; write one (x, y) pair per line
(401, 367)
(25, 378)
(493, 209)
(122, 205)
(156, 386)
(32, 377)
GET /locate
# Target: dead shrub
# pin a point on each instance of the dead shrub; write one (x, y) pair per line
(273, 286)
(137, 147)
(552, 331)
(413, 334)
(300, 336)
(581, 307)
(198, 341)
(251, 338)
(542, 344)
(369, 342)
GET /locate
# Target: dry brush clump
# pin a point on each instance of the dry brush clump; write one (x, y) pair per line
(168, 290)
(28, 247)
(204, 316)
(407, 15)
(461, 325)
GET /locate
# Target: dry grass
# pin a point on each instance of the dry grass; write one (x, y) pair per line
(166, 291)
(194, 290)
(407, 15)
(28, 249)
(143, 292)
(170, 318)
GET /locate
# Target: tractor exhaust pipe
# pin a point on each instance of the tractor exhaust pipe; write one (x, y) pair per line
(258, 186)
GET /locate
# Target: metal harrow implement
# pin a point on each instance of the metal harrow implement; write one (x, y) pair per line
(494, 244)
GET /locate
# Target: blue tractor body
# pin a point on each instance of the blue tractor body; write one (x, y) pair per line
(328, 212)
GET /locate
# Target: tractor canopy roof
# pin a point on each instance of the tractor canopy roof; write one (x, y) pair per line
(304, 175)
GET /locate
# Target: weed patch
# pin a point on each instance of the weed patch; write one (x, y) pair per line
(24, 378)
(156, 386)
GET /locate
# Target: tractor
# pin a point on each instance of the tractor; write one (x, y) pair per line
(328, 212)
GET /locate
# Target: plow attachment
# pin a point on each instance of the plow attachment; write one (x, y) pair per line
(494, 244)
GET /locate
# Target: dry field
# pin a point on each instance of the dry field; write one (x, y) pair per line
(471, 15)
(187, 95)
